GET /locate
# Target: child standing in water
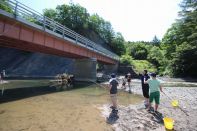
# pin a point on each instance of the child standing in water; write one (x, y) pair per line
(113, 84)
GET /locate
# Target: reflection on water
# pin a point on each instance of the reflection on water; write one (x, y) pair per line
(13, 84)
(88, 93)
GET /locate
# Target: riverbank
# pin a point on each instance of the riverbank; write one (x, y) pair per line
(135, 117)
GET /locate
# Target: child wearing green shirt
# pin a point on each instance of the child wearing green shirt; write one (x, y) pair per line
(154, 91)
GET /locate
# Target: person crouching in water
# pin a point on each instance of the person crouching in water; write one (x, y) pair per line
(113, 84)
(145, 87)
(154, 87)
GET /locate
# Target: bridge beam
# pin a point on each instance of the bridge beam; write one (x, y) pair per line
(85, 69)
(25, 37)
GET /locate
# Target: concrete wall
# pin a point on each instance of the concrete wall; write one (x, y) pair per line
(108, 69)
(85, 69)
(21, 63)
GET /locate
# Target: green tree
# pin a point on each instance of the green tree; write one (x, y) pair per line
(73, 16)
(155, 41)
(102, 27)
(117, 44)
(95, 22)
(51, 13)
(4, 5)
(126, 60)
(137, 50)
(156, 56)
(78, 19)
(180, 41)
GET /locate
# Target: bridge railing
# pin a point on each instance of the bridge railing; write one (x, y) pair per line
(22, 11)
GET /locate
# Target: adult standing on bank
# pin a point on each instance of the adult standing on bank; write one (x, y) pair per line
(145, 87)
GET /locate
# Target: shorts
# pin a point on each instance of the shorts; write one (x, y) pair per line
(145, 91)
(155, 96)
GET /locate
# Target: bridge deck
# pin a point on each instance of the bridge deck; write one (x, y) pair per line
(47, 36)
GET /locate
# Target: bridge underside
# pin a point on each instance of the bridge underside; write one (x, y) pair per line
(16, 35)
(26, 46)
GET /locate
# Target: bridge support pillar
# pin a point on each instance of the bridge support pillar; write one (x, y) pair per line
(85, 69)
(108, 69)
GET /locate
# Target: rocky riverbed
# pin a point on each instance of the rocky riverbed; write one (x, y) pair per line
(135, 117)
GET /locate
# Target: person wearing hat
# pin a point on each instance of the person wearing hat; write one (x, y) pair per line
(113, 84)
(154, 91)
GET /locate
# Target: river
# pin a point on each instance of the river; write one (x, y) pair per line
(40, 107)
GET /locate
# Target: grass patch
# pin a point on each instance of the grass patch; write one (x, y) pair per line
(140, 65)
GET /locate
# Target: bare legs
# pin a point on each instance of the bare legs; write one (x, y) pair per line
(150, 105)
(146, 101)
(129, 84)
(156, 107)
(114, 100)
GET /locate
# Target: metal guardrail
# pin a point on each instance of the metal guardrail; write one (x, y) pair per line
(22, 11)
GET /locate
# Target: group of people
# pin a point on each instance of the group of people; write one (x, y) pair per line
(151, 88)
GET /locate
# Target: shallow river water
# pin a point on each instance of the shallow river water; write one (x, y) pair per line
(38, 110)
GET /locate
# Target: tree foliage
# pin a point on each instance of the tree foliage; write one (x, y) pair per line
(138, 50)
(4, 5)
(155, 41)
(126, 60)
(51, 13)
(117, 44)
(78, 19)
(180, 42)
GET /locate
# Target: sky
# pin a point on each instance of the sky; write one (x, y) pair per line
(136, 20)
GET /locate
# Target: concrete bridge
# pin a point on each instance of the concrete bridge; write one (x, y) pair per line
(44, 35)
